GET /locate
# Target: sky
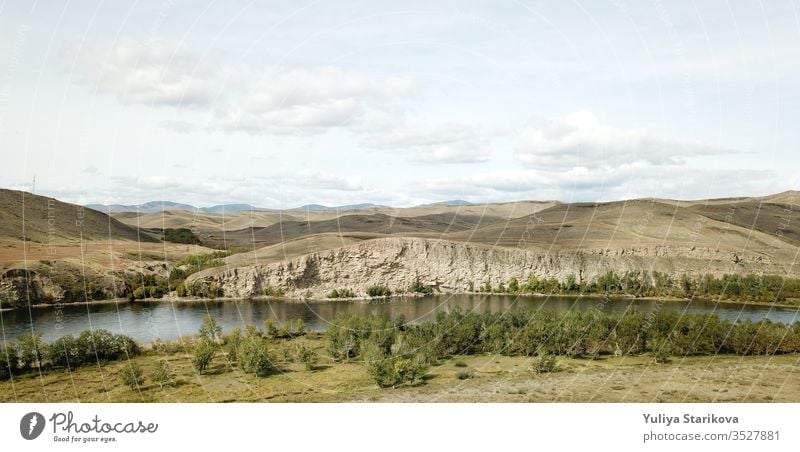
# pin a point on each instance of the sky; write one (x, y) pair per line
(283, 103)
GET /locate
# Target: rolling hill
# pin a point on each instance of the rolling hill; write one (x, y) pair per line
(24, 216)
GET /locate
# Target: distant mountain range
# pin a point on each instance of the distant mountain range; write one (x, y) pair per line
(159, 206)
(317, 207)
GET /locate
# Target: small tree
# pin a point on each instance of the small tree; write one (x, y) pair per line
(66, 351)
(162, 375)
(253, 357)
(9, 364)
(232, 343)
(131, 375)
(270, 330)
(30, 349)
(307, 356)
(298, 328)
(513, 285)
(204, 352)
(210, 330)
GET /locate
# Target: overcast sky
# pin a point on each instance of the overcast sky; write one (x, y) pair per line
(279, 104)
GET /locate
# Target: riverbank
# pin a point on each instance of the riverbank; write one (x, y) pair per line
(475, 378)
(399, 297)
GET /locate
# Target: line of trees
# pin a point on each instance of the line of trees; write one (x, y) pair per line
(396, 353)
(28, 352)
(403, 350)
(764, 288)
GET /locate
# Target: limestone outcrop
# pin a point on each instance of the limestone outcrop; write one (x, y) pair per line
(451, 266)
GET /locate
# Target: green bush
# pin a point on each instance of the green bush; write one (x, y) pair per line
(162, 375)
(390, 370)
(418, 287)
(210, 330)
(378, 291)
(464, 375)
(131, 375)
(347, 334)
(66, 351)
(254, 357)
(662, 351)
(270, 330)
(307, 356)
(181, 235)
(341, 293)
(9, 363)
(544, 362)
(275, 292)
(30, 350)
(203, 355)
(232, 344)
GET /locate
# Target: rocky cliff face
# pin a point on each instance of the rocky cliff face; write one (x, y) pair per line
(451, 266)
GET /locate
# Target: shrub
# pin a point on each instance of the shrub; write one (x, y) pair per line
(378, 291)
(341, 293)
(9, 364)
(662, 351)
(131, 375)
(270, 291)
(307, 356)
(253, 357)
(544, 363)
(391, 370)
(418, 287)
(464, 375)
(162, 375)
(347, 334)
(232, 343)
(66, 351)
(204, 352)
(180, 289)
(270, 331)
(210, 330)
(181, 235)
(30, 350)
(460, 364)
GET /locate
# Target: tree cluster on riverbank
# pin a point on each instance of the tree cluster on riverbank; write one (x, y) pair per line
(396, 353)
(407, 348)
(750, 287)
(28, 352)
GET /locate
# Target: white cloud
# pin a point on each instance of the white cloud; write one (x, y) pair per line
(178, 126)
(584, 184)
(439, 143)
(325, 181)
(579, 139)
(151, 73)
(307, 100)
(240, 98)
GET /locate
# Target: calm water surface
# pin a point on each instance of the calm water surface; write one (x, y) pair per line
(146, 322)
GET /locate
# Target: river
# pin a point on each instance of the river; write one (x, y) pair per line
(146, 321)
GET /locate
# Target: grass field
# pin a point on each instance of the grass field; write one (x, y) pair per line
(486, 378)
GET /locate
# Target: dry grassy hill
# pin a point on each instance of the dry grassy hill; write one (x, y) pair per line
(52, 221)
